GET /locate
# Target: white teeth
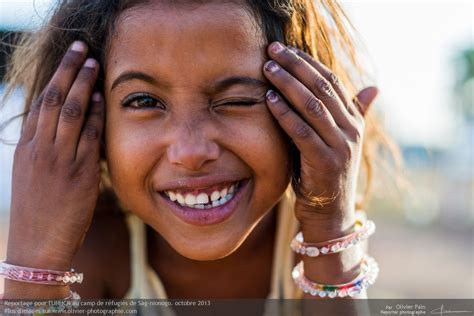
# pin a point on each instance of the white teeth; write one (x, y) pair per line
(172, 196)
(223, 192)
(180, 198)
(202, 198)
(216, 195)
(190, 199)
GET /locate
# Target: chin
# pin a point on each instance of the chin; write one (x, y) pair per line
(212, 248)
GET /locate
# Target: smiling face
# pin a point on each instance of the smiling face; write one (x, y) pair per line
(185, 98)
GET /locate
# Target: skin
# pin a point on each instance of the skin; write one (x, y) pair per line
(310, 107)
(194, 132)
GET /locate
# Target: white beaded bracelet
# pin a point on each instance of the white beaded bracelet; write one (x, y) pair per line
(362, 230)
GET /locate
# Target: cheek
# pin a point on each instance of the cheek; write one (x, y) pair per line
(259, 141)
(127, 150)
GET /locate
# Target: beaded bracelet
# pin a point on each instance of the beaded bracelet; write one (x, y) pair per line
(367, 277)
(362, 230)
(39, 276)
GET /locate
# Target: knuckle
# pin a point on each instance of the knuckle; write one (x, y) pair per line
(314, 107)
(302, 130)
(356, 134)
(71, 60)
(72, 111)
(323, 87)
(91, 132)
(36, 105)
(40, 154)
(333, 79)
(53, 96)
(346, 150)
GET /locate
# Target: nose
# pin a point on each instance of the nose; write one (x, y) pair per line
(191, 148)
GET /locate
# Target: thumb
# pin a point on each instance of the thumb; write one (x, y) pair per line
(364, 99)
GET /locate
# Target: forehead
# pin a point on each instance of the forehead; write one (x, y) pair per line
(220, 33)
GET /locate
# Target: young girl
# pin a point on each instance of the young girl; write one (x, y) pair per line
(227, 128)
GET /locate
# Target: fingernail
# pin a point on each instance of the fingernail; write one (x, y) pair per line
(276, 47)
(78, 46)
(90, 63)
(271, 66)
(96, 97)
(272, 96)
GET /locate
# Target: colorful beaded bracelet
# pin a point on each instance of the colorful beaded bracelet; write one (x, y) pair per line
(363, 228)
(39, 276)
(367, 277)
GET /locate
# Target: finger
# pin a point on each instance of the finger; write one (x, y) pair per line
(312, 110)
(365, 98)
(89, 143)
(57, 90)
(29, 127)
(303, 135)
(71, 119)
(328, 75)
(313, 80)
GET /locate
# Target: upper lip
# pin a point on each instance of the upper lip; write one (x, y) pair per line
(198, 182)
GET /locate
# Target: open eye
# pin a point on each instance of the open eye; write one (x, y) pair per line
(140, 101)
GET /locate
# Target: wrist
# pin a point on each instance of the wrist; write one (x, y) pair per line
(40, 259)
(336, 223)
(23, 290)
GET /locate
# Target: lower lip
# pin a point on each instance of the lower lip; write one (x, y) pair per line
(211, 216)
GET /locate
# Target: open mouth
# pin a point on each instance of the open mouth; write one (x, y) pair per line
(197, 209)
(204, 200)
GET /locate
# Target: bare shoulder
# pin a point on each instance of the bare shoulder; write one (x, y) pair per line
(104, 257)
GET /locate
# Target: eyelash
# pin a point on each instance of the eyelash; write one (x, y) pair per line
(126, 103)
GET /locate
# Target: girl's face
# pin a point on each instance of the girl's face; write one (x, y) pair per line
(185, 99)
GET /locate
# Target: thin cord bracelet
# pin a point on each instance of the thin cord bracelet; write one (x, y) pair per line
(39, 276)
(363, 229)
(367, 277)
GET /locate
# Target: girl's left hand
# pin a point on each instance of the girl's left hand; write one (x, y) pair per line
(327, 128)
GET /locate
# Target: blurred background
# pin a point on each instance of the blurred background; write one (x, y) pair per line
(421, 56)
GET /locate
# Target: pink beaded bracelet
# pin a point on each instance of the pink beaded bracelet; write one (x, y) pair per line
(39, 276)
(367, 277)
(363, 229)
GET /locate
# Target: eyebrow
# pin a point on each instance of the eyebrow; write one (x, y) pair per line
(218, 86)
(133, 75)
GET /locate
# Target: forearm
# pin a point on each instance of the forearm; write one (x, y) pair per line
(23, 290)
(333, 268)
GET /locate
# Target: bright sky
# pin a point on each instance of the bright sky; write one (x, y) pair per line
(411, 44)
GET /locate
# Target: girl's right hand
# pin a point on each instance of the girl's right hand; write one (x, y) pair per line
(56, 169)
